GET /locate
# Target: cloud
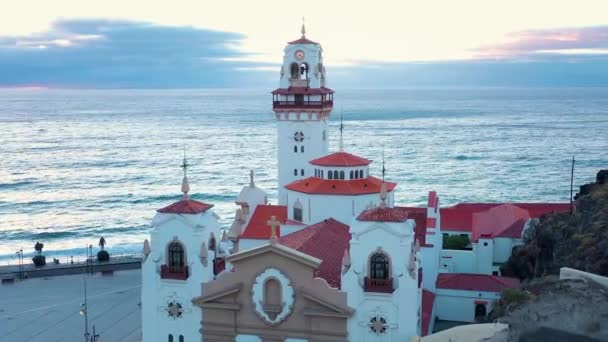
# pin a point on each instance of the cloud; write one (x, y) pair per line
(111, 53)
(584, 41)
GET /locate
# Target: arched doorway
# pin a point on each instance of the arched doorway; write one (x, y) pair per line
(480, 311)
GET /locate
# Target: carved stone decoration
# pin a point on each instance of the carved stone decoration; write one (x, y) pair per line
(272, 315)
(175, 309)
(378, 323)
(204, 254)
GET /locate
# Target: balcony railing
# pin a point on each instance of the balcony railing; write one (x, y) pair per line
(295, 82)
(379, 285)
(180, 273)
(302, 104)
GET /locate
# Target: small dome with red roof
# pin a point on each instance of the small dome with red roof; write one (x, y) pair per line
(341, 159)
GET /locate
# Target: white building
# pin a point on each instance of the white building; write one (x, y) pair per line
(336, 259)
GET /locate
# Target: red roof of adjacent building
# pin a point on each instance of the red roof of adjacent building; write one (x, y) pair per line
(302, 40)
(258, 228)
(475, 282)
(386, 214)
(460, 216)
(343, 159)
(186, 206)
(498, 219)
(428, 299)
(302, 90)
(319, 186)
(326, 240)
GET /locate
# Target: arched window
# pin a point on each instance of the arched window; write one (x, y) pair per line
(361, 174)
(378, 266)
(295, 71)
(170, 338)
(181, 338)
(336, 175)
(212, 244)
(272, 293)
(330, 175)
(295, 172)
(303, 71)
(295, 149)
(301, 149)
(302, 172)
(341, 174)
(351, 174)
(297, 211)
(176, 257)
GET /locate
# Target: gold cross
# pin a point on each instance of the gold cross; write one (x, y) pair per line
(273, 223)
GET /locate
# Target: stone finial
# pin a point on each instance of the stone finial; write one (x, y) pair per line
(345, 261)
(303, 28)
(224, 236)
(251, 182)
(185, 184)
(146, 251)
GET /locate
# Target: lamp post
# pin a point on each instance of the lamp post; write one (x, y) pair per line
(84, 309)
(20, 261)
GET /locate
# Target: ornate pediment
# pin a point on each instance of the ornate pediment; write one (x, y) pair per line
(214, 300)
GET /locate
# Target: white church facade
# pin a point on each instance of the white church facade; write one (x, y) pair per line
(336, 259)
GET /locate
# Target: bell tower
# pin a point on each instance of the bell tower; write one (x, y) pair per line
(302, 105)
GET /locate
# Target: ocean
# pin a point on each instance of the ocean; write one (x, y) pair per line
(76, 165)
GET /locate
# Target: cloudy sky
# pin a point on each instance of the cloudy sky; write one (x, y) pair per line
(202, 43)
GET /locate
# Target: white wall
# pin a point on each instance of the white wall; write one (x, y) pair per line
(191, 231)
(503, 248)
(459, 306)
(248, 338)
(400, 308)
(316, 208)
(458, 261)
(314, 147)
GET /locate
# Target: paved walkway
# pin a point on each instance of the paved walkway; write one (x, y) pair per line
(47, 309)
(52, 269)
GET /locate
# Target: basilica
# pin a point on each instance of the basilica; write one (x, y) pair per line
(336, 259)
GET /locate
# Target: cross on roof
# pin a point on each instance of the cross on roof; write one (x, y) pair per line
(273, 223)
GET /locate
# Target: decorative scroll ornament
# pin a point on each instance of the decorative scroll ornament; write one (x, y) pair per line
(204, 254)
(146, 251)
(345, 261)
(272, 316)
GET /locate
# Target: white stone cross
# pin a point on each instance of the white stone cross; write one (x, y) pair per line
(273, 223)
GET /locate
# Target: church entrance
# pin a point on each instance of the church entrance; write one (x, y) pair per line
(480, 311)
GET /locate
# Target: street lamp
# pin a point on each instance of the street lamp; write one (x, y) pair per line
(20, 258)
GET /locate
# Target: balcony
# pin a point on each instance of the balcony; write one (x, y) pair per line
(296, 82)
(302, 104)
(180, 273)
(378, 285)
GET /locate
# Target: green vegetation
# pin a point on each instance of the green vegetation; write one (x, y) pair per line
(456, 242)
(510, 297)
(578, 240)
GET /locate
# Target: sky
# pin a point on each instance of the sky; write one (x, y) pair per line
(183, 43)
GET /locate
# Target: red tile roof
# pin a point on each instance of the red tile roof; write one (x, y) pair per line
(326, 240)
(342, 159)
(418, 214)
(379, 214)
(460, 216)
(475, 282)
(428, 299)
(186, 206)
(257, 227)
(495, 220)
(513, 231)
(302, 40)
(302, 90)
(318, 186)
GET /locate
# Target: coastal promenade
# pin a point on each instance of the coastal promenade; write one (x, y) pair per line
(11, 273)
(48, 308)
